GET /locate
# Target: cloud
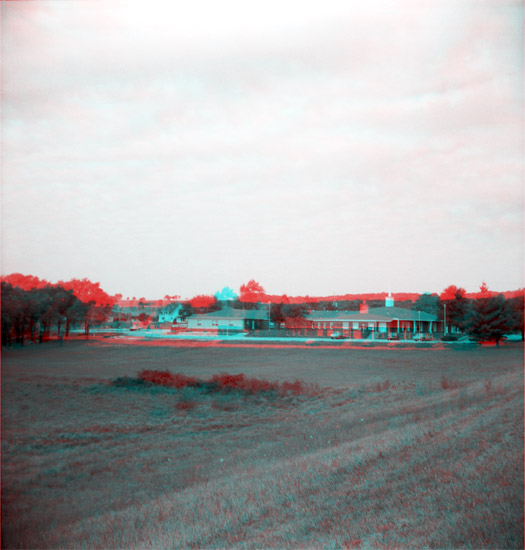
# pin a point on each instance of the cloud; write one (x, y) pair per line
(285, 139)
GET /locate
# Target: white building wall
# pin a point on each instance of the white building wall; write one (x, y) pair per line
(196, 323)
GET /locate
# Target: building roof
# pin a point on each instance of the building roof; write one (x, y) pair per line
(346, 316)
(374, 314)
(402, 314)
(231, 313)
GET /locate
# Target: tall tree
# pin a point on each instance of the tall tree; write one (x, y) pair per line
(87, 291)
(458, 307)
(516, 306)
(252, 291)
(276, 314)
(227, 294)
(296, 311)
(491, 318)
(186, 310)
(12, 314)
(430, 303)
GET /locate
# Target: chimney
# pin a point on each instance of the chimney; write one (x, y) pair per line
(363, 308)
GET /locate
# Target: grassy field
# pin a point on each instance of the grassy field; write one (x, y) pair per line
(394, 449)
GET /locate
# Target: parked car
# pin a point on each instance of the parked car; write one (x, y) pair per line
(337, 336)
(393, 336)
(417, 336)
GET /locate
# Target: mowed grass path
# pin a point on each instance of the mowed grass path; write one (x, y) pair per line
(388, 454)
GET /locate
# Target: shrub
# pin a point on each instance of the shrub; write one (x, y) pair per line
(167, 378)
(125, 382)
(222, 382)
(185, 405)
(382, 387)
(448, 384)
(450, 338)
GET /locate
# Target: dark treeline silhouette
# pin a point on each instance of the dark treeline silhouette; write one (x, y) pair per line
(484, 315)
(32, 308)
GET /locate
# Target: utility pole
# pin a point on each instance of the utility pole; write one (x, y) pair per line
(445, 317)
(419, 311)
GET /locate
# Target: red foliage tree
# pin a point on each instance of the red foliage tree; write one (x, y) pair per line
(252, 291)
(202, 301)
(25, 282)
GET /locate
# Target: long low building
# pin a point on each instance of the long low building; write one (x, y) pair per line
(229, 320)
(380, 322)
(387, 321)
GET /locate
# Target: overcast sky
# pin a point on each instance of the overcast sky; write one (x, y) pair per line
(318, 147)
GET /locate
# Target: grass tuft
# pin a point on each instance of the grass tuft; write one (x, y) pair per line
(223, 383)
(448, 384)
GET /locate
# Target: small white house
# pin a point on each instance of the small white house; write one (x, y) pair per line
(229, 320)
(170, 314)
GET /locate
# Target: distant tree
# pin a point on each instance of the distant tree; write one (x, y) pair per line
(227, 294)
(297, 311)
(516, 307)
(458, 307)
(484, 289)
(252, 291)
(276, 314)
(55, 313)
(98, 303)
(12, 314)
(88, 292)
(491, 318)
(143, 317)
(204, 302)
(95, 315)
(186, 310)
(25, 282)
(77, 313)
(24, 310)
(430, 303)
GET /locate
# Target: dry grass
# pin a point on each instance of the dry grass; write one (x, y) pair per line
(386, 464)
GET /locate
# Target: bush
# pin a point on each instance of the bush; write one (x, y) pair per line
(450, 338)
(185, 405)
(382, 387)
(222, 382)
(448, 384)
(167, 378)
(125, 382)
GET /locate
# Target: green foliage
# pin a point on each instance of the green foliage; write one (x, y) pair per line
(276, 314)
(458, 307)
(430, 303)
(227, 294)
(516, 311)
(492, 317)
(23, 311)
(297, 311)
(186, 311)
(252, 291)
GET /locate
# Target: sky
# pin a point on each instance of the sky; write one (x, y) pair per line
(317, 147)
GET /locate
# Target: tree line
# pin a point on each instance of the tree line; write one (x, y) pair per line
(488, 316)
(485, 315)
(33, 307)
(33, 313)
